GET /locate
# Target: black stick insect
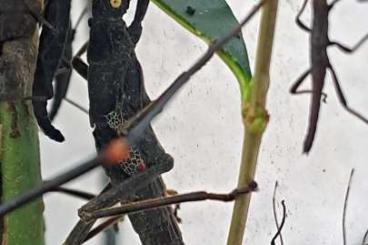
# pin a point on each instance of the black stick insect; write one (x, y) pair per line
(320, 64)
(132, 131)
(116, 93)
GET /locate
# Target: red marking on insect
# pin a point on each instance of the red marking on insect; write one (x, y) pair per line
(117, 151)
(141, 167)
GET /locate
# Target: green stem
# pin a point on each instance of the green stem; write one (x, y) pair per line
(19, 146)
(20, 171)
(255, 119)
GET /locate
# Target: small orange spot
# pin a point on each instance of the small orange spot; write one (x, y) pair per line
(117, 151)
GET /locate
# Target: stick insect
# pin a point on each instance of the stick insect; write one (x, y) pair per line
(132, 130)
(116, 93)
(320, 64)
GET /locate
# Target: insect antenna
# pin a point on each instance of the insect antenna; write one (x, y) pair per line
(76, 105)
(342, 99)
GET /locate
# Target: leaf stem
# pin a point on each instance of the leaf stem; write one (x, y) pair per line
(255, 118)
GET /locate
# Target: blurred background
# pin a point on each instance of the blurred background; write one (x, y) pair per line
(202, 130)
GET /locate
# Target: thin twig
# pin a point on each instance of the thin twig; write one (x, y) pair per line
(134, 126)
(278, 233)
(47, 186)
(82, 49)
(44, 98)
(346, 206)
(84, 12)
(165, 201)
(275, 212)
(76, 105)
(76, 193)
(103, 226)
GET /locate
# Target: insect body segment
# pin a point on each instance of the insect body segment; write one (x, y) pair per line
(135, 162)
(116, 93)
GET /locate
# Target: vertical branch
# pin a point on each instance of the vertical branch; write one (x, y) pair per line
(255, 119)
(19, 151)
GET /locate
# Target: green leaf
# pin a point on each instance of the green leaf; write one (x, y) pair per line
(211, 19)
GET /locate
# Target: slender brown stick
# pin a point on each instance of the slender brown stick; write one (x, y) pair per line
(278, 233)
(164, 201)
(346, 206)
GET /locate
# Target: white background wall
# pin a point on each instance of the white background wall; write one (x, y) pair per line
(202, 130)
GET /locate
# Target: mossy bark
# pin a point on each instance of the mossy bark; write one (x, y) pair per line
(19, 145)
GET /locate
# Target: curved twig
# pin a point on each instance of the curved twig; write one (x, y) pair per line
(278, 233)
(346, 206)
(274, 211)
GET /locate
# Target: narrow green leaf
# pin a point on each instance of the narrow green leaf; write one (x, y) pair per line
(211, 19)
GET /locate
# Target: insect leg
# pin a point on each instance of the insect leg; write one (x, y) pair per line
(78, 64)
(299, 21)
(82, 228)
(79, 233)
(125, 189)
(35, 13)
(62, 80)
(135, 29)
(110, 197)
(299, 81)
(342, 98)
(350, 49)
